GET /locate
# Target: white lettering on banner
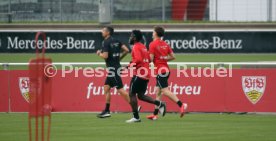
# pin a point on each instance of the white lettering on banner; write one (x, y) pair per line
(177, 89)
(226, 44)
(215, 43)
(188, 90)
(209, 72)
(79, 44)
(70, 43)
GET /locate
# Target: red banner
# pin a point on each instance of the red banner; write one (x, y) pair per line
(4, 91)
(248, 90)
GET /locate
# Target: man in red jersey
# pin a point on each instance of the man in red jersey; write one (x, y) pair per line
(160, 54)
(139, 82)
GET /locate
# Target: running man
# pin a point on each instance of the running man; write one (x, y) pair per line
(139, 82)
(112, 52)
(160, 54)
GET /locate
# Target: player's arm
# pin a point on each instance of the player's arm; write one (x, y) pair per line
(136, 58)
(103, 55)
(104, 52)
(124, 52)
(151, 52)
(151, 57)
(171, 57)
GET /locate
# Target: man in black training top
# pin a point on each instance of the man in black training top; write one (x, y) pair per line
(112, 52)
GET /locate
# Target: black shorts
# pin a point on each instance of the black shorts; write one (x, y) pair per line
(162, 80)
(138, 85)
(114, 81)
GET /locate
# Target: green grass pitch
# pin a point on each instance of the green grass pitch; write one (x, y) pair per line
(91, 57)
(193, 127)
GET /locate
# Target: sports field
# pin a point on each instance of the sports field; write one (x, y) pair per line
(193, 127)
(92, 57)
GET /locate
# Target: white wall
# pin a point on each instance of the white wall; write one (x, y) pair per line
(241, 10)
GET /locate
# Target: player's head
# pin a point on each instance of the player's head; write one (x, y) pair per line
(107, 31)
(158, 32)
(135, 36)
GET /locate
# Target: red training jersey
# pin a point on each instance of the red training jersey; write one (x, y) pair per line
(160, 50)
(140, 60)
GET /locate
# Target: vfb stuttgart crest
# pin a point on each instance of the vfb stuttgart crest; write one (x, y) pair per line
(24, 85)
(253, 87)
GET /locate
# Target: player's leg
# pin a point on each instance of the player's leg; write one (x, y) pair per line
(106, 112)
(158, 97)
(142, 87)
(133, 102)
(161, 105)
(158, 93)
(124, 94)
(170, 95)
(119, 85)
(107, 97)
(162, 81)
(154, 116)
(134, 106)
